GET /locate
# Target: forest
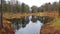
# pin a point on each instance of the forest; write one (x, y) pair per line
(16, 7)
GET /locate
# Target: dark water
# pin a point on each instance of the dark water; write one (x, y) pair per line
(31, 28)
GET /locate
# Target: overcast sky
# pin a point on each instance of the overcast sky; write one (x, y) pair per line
(36, 2)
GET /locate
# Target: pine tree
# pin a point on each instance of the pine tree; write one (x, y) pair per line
(23, 8)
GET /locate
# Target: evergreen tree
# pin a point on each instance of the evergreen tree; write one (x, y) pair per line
(17, 7)
(59, 8)
(26, 8)
(23, 8)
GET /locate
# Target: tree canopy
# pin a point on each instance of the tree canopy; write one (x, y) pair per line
(23, 8)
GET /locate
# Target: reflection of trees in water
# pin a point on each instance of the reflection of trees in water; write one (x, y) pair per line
(40, 19)
(17, 22)
(22, 22)
(25, 21)
(34, 19)
(45, 19)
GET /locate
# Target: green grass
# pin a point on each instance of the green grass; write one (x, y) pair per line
(56, 22)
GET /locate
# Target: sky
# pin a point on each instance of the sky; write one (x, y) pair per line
(36, 2)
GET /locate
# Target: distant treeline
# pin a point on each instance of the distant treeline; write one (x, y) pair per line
(23, 8)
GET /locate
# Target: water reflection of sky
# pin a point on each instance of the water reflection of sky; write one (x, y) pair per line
(31, 28)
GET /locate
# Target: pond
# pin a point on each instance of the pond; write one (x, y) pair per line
(29, 24)
(30, 28)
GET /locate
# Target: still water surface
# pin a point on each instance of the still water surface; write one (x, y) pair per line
(31, 28)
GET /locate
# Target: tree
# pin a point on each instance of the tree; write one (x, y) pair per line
(59, 8)
(9, 6)
(17, 7)
(41, 9)
(4, 6)
(0, 6)
(55, 6)
(23, 8)
(26, 8)
(47, 6)
(34, 9)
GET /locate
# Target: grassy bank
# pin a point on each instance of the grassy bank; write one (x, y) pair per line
(52, 27)
(56, 23)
